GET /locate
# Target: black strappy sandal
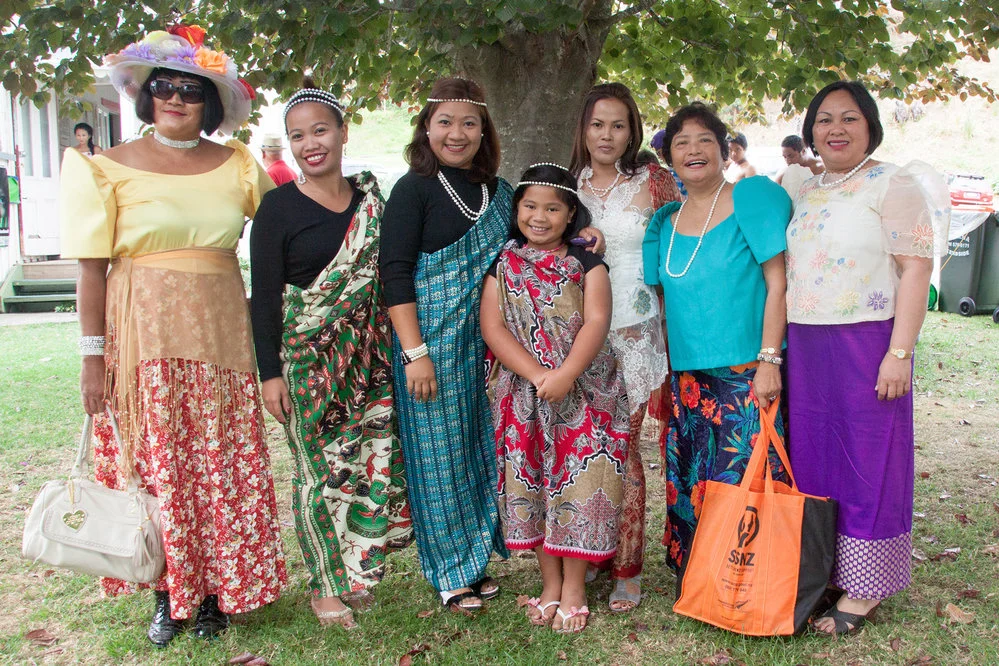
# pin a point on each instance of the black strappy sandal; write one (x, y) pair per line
(482, 594)
(454, 602)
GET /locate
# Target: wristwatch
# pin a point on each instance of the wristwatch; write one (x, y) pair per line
(900, 353)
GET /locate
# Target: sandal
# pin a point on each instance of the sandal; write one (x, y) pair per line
(845, 623)
(826, 601)
(360, 601)
(620, 595)
(455, 601)
(343, 618)
(485, 594)
(542, 620)
(573, 612)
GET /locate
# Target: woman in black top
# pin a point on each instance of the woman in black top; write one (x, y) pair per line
(322, 340)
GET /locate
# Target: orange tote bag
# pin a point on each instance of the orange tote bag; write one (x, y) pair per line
(762, 551)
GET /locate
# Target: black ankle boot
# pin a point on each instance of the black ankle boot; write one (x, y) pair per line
(210, 620)
(163, 628)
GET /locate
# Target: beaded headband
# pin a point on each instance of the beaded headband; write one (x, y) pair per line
(441, 100)
(313, 95)
(544, 184)
(551, 164)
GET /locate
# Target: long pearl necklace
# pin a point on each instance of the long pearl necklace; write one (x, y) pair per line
(465, 210)
(174, 143)
(845, 178)
(700, 239)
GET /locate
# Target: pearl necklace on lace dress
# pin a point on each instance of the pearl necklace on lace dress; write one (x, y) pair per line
(465, 209)
(602, 192)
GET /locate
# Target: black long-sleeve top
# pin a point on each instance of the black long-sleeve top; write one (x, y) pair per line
(293, 238)
(421, 217)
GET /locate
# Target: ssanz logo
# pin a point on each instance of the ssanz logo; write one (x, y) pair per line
(749, 528)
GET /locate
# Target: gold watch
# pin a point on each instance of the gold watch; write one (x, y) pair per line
(900, 353)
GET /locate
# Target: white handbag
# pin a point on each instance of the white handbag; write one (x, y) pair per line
(79, 524)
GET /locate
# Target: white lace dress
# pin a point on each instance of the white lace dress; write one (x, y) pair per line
(636, 321)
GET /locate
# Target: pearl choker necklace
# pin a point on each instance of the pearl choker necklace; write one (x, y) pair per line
(602, 192)
(173, 143)
(849, 174)
(704, 229)
(465, 210)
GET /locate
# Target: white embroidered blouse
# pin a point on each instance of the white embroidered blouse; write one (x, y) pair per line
(841, 241)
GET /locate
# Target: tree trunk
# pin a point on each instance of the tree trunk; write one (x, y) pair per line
(535, 84)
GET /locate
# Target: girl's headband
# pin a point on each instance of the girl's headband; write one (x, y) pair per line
(441, 100)
(544, 184)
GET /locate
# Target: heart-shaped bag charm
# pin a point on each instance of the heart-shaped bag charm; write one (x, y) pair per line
(74, 519)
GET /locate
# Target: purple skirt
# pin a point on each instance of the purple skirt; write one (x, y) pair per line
(852, 447)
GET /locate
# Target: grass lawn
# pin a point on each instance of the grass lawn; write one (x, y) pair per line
(956, 504)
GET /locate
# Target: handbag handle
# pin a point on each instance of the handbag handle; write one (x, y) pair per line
(759, 461)
(81, 467)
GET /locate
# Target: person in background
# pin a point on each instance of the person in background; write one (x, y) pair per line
(84, 134)
(646, 156)
(740, 167)
(719, 258)
(860, 251)
(321, 332)
(272, 149)
(656, 143)
(167, 346)
(801, 165)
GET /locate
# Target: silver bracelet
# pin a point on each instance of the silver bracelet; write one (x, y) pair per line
(769, 358)
(410, 355)
(91, 345)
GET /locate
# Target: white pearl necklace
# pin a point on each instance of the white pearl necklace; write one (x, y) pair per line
(845, 178)
(465, 210)
(700, 239)
(602, 192)
(174, 143)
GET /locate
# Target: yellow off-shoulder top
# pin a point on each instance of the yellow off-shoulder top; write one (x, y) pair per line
(109, 210)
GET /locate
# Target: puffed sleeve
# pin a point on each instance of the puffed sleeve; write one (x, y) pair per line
(915, 212)
(650, 244)
(256, 183)
(88, 209)
(763, 211)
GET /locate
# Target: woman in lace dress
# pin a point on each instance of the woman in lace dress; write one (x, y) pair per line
(621, 197)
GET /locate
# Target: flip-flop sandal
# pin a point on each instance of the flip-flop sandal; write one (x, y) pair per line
(455, 602)
(485, 595)
(573, 612)
(843, 621)
(621, 594)
(343, 618)
(542, 620)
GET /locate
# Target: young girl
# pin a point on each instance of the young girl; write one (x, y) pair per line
(558, 400)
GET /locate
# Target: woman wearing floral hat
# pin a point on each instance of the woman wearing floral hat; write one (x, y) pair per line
(166, 343)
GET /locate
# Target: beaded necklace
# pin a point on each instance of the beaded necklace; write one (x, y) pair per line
(849, 174)
(700, 239)
(465, 210)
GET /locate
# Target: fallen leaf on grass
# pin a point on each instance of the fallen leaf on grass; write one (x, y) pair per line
(452, 638)
(522, 600)
(243, 658)
(924, 475)
(720, 657)
(968, 594)
(40, 637)
(641, 626)
(633, 637)
(925, 660)
(945, 496)
(562, 656)
(896, 644)
(995, 506)
(259, 661)
(53, 651)
(991, 550)
(940, 612)
(947, 554)
(407, 659)
(955, 614)
(918, 555)
(963, 519)
(424, 614)
(821, 655)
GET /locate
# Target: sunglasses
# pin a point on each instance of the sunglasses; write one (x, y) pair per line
(190, 93)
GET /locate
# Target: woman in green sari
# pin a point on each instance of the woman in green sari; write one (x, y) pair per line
(322, 338)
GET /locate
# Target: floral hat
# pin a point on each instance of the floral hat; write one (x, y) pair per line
(181, 48)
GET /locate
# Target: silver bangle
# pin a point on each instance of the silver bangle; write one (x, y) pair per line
(769, 358)
(91, 345)
(410, 355)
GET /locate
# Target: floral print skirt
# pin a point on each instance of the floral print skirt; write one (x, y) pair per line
(715, 423)
(204, 455)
